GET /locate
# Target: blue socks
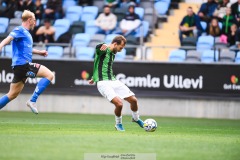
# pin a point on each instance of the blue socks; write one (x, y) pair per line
(41, 86)
(3, 101)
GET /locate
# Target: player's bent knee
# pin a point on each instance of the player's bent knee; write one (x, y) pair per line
(118, 104)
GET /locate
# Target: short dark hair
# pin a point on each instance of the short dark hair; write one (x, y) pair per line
(47, 20)
(119, 39)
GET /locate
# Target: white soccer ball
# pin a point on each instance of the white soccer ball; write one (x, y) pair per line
(150, 125)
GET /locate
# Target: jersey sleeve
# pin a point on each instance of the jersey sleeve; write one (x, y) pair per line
(16, 33)
(98, 51)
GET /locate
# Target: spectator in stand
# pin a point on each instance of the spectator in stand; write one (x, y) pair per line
(227, 21)
(236, 11)
(206, 10)
(190, 25)
(232, 36)
(130, 22)
(126, 3)
(26, 5)
(39, 10)
(213, 28)
(11, 7)
(85, 2)
(106, 21)
(46, 33)
(54, 9)
(221, 9)
(112, 3)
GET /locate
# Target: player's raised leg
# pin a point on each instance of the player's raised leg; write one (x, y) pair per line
(41, 86)
(134, 107)
(15, 89)
(118, 113)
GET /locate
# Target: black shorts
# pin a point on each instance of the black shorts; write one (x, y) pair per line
(22, 72)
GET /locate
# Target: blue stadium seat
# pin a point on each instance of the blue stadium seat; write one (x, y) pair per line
(7, 51)
(237, 59)
(205, 43)
(161, 7)
(220, 25)
(68, 3)
(81, 39)
(178, 55)
(85, 53)
(140, 12)
(73, 13)
(61, 26)
(204, 25)
(91, 28)
(121, 55)
(89, 13)
(3, 24)
(145, 25)
(109, 38)
(209, 56)
(55, 52)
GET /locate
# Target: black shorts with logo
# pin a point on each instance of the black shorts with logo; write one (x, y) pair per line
(22, 72)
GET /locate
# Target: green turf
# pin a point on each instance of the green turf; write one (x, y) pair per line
(48, 136)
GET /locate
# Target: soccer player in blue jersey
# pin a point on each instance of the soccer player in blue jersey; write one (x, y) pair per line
(22, 65)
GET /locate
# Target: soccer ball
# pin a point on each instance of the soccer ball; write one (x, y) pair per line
(150, 125)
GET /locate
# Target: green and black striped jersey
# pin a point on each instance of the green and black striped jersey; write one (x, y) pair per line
(103, 63)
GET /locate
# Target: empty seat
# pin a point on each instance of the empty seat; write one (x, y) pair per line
(18, 14)
(161, 7)
(151, 17)
(205, 43)
(189, 41)
(237, 59)
(120, 55)
(96, 39)
(55, 52)
(61, 26)
(85, 53)
(177, 55)
(193, 56)
(142, 31)
(140, 12)
(91, 28)
(209, 56)
(68, 3)
(99, 4)
(7, 51)
(204, 25)
(73, 13)
(3, 24)
(120, 13)
(227, 56)
(81, 39)
(77, 27)
(89, 13)
(14, 22)
(146, 3)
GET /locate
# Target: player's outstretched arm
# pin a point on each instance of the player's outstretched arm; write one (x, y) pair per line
(6, 41)
(40, 52)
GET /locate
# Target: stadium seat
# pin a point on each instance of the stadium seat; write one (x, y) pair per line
(204, 25)
(144, 32)
(14, 22)
(189, 41)
(68, 3)
(91, 28)
(120, 55)
(81, 39)
(55, 52)
(89, 13)
(3, 24)
(237, 59)
(85, 53)
(205, 43)
(7, 51)
(177, 55)
(77, 27)
(220, 25)
(96, 39)
(151, 18)
(140, 12)
(146, 4)
(161, 7)
(209, 56)
(120, 13)
(73, 13)
(109, 38)
(61, 26)
(193, 56)
(18, 14)
(99, 4)
(227, 56)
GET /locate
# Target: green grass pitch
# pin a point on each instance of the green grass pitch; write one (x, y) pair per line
(57, 136)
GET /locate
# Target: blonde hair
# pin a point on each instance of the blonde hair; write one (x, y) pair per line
(27, 14)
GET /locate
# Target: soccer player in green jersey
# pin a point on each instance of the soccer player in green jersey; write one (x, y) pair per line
(108, 85)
